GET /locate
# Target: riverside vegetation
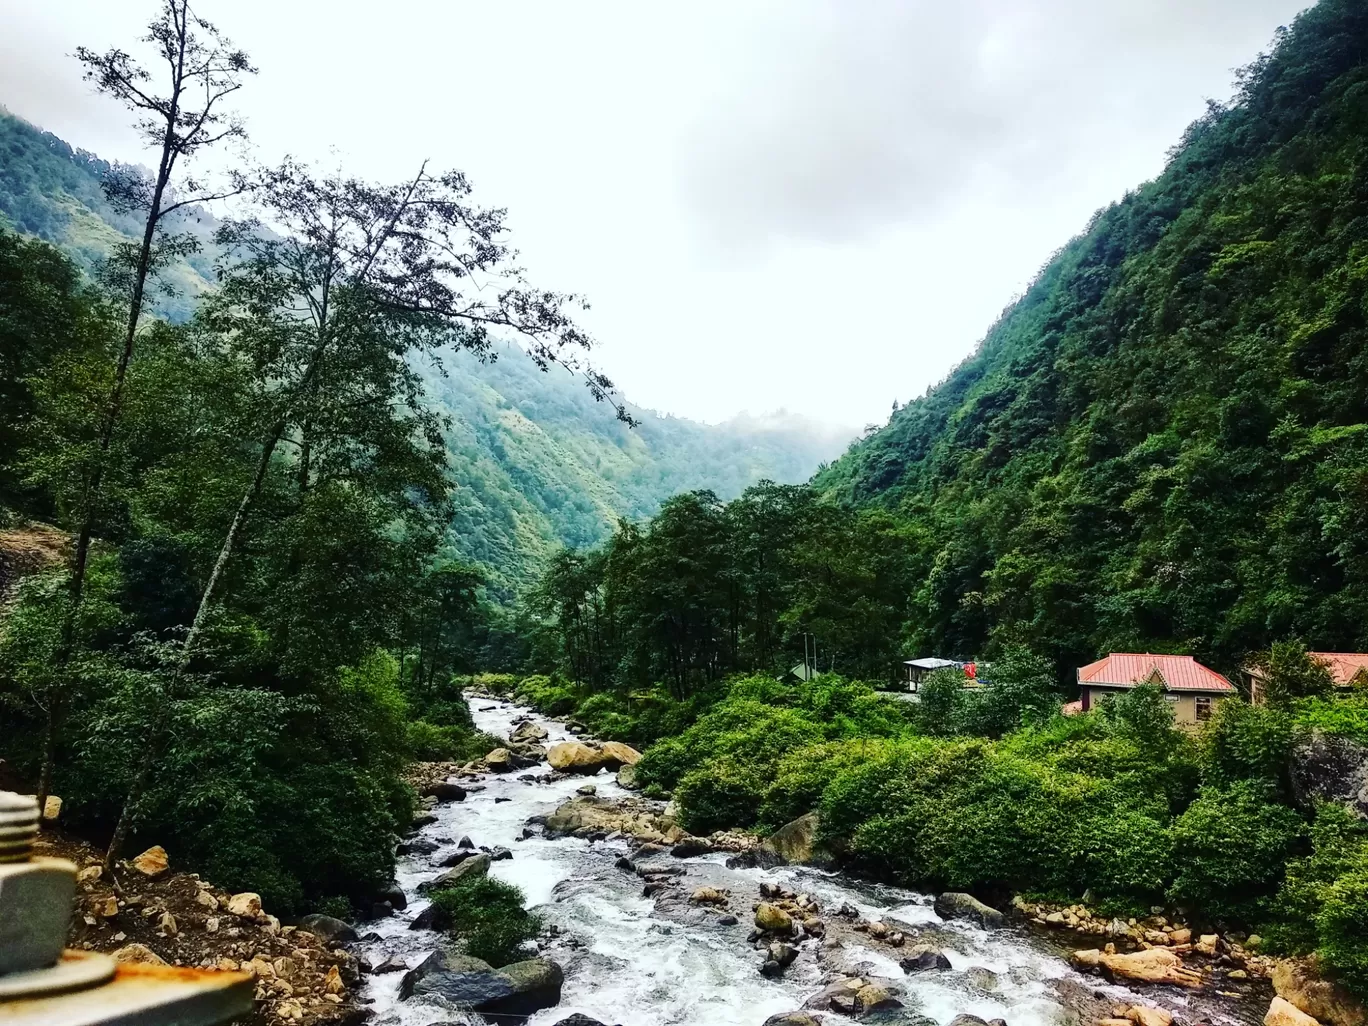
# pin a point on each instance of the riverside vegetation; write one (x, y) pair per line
(1160, 447)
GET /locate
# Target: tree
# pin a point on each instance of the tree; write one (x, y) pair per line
(329, 309)
(202, 69)
(1288, 672)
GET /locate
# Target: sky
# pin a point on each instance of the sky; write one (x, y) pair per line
(812, 205)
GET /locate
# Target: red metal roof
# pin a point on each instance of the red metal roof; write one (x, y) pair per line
(1344, 666)
(1177, 672)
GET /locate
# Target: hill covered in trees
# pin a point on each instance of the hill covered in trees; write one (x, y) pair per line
(1164, 444)
(535, 462)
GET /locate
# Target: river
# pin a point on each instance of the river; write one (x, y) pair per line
(625, 962)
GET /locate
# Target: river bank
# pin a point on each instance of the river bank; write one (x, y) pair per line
(637, 946)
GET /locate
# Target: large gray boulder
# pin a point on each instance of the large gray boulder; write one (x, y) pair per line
(468, 983)
(796, 842)
(1327, 767)
(958, 905)
(328, 928)
(473, 868)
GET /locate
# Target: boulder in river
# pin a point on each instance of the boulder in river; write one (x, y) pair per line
(793, 1019)
(328, 928)
(471, 869)
(445, 791)
(627, 778)
(1152, 965)
(579, 1019)
(617, 754)
(1284, 1013)
(923, 959)
(467, 983)
(394, 894)
(1319, 998)
(500, 760)
(795, 842)
(528, 732)
(772, 918)
(958, 905)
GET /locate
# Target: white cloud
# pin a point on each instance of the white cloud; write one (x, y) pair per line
(814, 204)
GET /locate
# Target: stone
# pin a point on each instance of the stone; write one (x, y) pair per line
(394, 895)
(247, 904)
(586, 789)
(519, 989)
(1144, 1015)
(832, 996)
(35, 907)
(579, 1019)
(691, 848)
(1153, 965)
(139, 953)
(332, 983)
(627, 778)
(795, 841)
(328, 928)
(965, 1019)
(153, 862)
(500, 854)
(617, 754)
(958, 905)
(500, 760)
(784, 954)
(772, 918)
(1282, 1012)
(1328, 767)
(728, 921)
(1207, 943)
(1181, 936)
(473, 868)
(528, 733)
(923, 959)
(167, 924)
(708, 896)
(875, 997)
(1322, 999)
(417, 846)
(445, 791)
(575, 757)
(465, 842)
(52, 808)
(391, 964)
(771, 969)
(793, 1019)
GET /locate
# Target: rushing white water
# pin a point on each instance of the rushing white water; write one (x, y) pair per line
(626, 963)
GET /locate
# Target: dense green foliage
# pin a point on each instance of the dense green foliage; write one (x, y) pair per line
(489, 917)
(1162, 445)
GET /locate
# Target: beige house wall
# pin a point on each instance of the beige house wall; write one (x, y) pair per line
(1184, 703)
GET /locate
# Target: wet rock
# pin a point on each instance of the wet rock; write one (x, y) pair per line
(500, 854)
(457, 857)
(958, 905)
(328, 928)
(423, 819)
(795, 842)
(627, 778)
(784, 954)
(708, 896)
(690, 848)
(728, 921)
(468, 983)
(394, 895)
(923, 959)
(391, 964)
(625, 864)
(771, 969)
(793, 1019)
(1144, 1015)
(471, 869)
(754, 858)
(417, 846)
(1153, 965)
(842, 991)
(965, 1019)
(586, 789)
(579, 1019)
(465, 842)
(445, 791)
(616, 754)
(428, 919)
(500, 761)
(875, 997)
(575, 757)
(528, 732)
(772, 918)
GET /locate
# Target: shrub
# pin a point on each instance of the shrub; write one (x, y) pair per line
(1247, 743)
(721, 794)
(489, 917)
(1338, 840)
(1343, 925)
(548, 696)
(1232, 844)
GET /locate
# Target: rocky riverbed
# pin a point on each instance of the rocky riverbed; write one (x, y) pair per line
(649, 927)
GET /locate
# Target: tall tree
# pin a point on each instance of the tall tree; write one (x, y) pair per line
(199, 69)
(329, 301)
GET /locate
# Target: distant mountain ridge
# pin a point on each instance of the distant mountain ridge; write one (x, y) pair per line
(535, 461)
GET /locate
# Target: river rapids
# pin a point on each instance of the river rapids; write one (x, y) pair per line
(627, 962)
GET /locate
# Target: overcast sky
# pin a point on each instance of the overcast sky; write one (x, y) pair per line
(813, 205)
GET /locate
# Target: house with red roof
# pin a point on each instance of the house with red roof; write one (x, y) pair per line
(1347, 670)
(1193, 689)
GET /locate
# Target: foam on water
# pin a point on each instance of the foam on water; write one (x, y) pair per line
(636, 967)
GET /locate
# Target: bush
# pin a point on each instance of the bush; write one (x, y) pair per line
(548, 696)
(1338, 840)
(489, 917)
(1343, 925)
(1243, 742)
(721, 794)
(1232, 845)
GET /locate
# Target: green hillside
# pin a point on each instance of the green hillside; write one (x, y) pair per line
(1164, 444)
(536, 462)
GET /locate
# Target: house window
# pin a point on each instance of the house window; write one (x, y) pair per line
(1203, 710)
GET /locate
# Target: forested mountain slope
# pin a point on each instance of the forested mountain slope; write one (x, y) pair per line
(535, 461)
(1164, 443)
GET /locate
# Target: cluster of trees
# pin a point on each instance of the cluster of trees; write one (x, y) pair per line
(705, 589)
(993, 790)
(255, 627)
(1162, 446)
